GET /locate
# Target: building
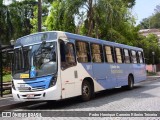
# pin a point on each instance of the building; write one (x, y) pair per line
(146, 32)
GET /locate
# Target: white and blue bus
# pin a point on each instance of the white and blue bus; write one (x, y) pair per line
(55, 65)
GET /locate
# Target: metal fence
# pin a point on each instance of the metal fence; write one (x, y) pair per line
(6, 54)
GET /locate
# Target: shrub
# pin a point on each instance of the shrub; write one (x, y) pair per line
(6, 70)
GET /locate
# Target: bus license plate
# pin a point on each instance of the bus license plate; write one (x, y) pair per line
(30, 96)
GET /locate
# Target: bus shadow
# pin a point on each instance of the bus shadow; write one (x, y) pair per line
(101, 98)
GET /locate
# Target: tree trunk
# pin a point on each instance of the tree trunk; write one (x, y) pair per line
(90, 18)
(39, 15)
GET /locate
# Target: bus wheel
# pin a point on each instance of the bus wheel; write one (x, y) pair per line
(86, 91)
(130, 82)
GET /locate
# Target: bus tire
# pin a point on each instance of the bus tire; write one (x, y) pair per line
(86, 91)
(130, 82)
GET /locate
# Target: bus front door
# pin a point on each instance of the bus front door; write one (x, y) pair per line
(68, 69)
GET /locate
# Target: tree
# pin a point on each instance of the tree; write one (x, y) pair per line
(45, 5)
(155, 21)
(1, 3)
(129, 3)
(145, 23)
(60, 18)
(157, 9)
(152, 21)
(95, 18)
(39, 15)
(15, 20)
(110, 17)
(150, 44)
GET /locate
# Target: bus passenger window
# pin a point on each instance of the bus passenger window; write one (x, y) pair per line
(140, 56)
(70, 54)
(83, 52)
(126, 56)
(118, 55)
(133, 56)
(109, 54)
(68, 58)
(97, 53)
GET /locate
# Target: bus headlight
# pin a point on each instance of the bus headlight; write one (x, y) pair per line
(13, 85)
(53, 81)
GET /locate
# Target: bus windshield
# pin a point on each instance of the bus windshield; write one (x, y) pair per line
(35, 60)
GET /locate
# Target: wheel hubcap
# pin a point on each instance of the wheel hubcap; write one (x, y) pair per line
(131, 82)
(86, 90)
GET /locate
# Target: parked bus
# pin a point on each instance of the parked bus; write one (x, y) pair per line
(56, 65)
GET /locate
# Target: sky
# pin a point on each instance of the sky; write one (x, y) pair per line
(144, 9)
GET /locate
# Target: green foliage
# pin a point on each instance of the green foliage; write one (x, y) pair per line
(7, 78)
(6, 92)
(105, 19)
(150, 44)
(15, 20)
(145, 24)
(152, 21)
(34, 20)
(155, 23)
(60, 17)
(1, 2)
(95, 18)
(151, 73)
(129, 3)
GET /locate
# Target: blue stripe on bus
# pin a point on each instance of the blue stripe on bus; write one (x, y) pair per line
(40, 82)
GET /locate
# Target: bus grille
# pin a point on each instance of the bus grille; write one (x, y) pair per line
(31, 89)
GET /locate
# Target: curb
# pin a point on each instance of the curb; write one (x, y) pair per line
(152, 78)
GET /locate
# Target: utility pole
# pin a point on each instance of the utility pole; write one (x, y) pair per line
(153, 54)
(39, 15)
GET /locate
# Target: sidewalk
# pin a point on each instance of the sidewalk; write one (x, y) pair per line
(154, 76)
(7, 102)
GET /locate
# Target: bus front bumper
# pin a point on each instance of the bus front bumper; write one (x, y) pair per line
(49, 94)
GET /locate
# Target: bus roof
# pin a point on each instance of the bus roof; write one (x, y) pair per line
(85, 38)
(95, 40)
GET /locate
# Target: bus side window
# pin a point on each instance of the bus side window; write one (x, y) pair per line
(118, 55)
(70, 54)
(109, 54)
(97, 53)
(67, 52)
(133, 56)
(140, 56)
(83, 52)
(126, 56)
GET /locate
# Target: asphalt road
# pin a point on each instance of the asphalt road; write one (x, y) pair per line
(144, 97)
